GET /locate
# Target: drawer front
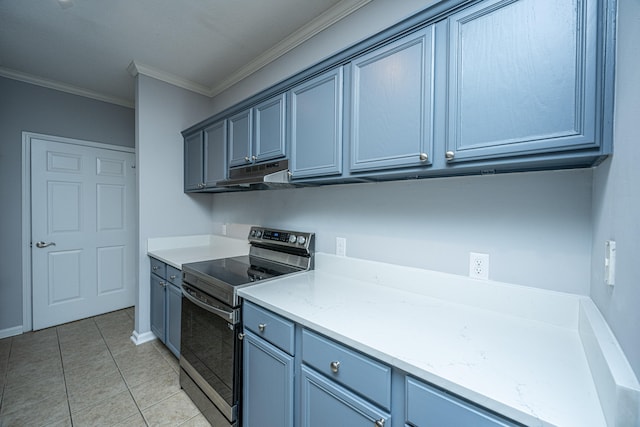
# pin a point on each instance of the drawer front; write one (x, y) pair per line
(158, 268)
(174, 275)
(269, 326)
(428, 406)
(356, 371)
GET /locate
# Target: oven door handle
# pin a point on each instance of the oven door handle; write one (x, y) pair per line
(229, 316)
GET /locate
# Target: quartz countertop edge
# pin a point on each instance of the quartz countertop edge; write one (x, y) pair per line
(520, 355)
(179, 250)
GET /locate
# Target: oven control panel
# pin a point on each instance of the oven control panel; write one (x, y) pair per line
(280, 237)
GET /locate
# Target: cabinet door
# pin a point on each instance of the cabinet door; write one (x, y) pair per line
(429, 407)
(267, 384)
(240, 132)
(521, 78)
(193, 162)
(324, 403)
(316, 126)
(158, 286)
(269, 119)
(215, 153)
(174, 310)
(392, 105)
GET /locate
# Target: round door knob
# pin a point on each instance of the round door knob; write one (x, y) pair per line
(302, 240)
(335, 366)
(293, 238)
(379, 423)
(247, 159)
(261, 327)
(254, 158)
(424, 157)
(449, 155)
(154, 268)
(172, 277)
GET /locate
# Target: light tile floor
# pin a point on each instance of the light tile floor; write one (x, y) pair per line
(89, 373)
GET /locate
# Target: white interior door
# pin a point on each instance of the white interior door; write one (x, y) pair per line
(82, 231)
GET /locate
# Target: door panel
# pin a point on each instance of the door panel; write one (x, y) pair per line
(83, 202)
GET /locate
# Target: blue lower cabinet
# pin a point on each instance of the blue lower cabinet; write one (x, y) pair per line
(325, 403)
(166, 304)
(268, 388)
(174, 311)
(431, 407)
(158, 285)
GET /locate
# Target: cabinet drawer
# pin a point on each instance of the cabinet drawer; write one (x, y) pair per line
(428, 406)
(174, 275)
(360, 373)
(158, 268)
(325, 403)
(269, 326)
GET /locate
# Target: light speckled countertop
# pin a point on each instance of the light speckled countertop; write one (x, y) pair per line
(515, 350)
(176, 251)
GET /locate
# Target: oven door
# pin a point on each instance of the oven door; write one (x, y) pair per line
(210, 354)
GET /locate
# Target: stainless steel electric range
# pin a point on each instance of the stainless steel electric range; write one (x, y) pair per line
(211, 340)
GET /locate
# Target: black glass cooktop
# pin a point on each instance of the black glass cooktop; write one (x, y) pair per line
(240, 270)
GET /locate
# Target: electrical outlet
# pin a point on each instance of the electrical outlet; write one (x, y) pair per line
(341, 246)
(224, 229)
(478, 265)
(610, 262)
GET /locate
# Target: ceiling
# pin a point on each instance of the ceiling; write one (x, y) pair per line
(94, 47)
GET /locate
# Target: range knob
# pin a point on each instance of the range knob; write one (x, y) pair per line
(292, 238)
(301, 240)
(258, 234)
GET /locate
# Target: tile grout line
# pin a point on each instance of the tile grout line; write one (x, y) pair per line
(64, 377)
(6, 374)
(122, 375)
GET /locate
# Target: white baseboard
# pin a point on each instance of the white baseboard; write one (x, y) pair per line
(10, 332)
(142, 338)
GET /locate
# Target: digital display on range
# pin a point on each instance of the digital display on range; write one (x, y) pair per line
(275, 235)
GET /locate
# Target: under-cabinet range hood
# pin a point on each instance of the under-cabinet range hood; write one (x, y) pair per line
(265, 175)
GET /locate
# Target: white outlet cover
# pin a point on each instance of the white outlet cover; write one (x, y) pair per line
(479, 265)
(341, 246)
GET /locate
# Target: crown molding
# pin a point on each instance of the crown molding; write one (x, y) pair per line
(136, 68)
(63, 87)
(295, 39)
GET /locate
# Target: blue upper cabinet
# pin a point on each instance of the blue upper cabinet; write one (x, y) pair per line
(193, 166)
(240, 138)
(316, 126)
(269, 119)
(392, 104)
(215, 153)
(258, 134)
(521, 79)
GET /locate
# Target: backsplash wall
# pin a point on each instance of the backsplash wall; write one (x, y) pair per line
(535, 226)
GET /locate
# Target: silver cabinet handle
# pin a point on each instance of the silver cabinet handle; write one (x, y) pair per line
(254, 158)
(155, 268)
(164, 285)
(247, 159)
(241, 336)
(173, 276)
(335, 366)
(261, 326)
(44, 245)
(424, 157)
(449, 155)
(379, 423)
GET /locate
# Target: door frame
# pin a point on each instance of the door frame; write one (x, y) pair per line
(27, 314)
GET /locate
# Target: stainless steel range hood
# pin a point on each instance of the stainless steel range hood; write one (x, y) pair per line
(266, 175)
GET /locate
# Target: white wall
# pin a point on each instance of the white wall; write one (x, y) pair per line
(536, 227)
(162, 112)
(616, 200)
